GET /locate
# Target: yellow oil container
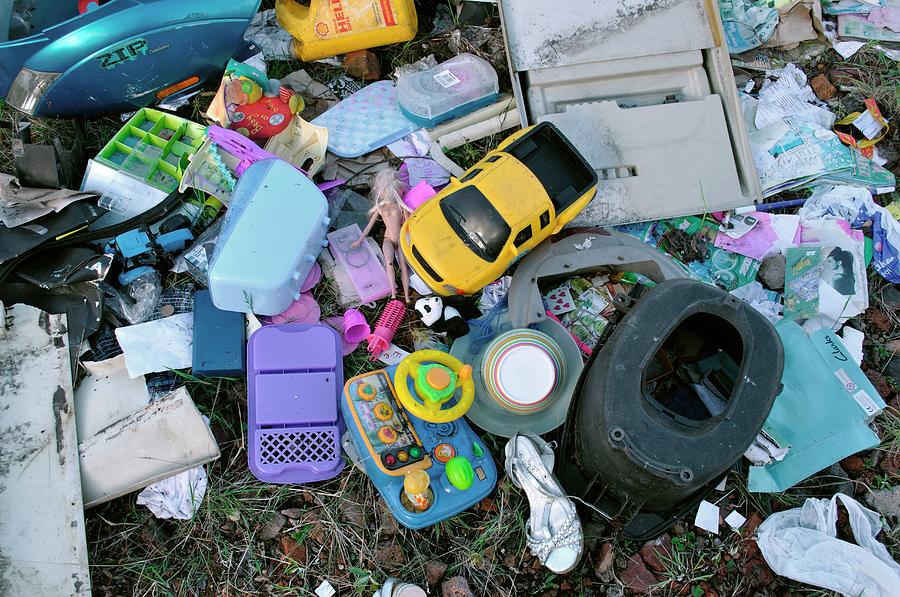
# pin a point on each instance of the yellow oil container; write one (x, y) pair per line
(331, 27)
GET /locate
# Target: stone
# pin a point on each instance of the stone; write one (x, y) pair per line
(434, 570)
(389, 554)
(352, 512)
(890, 463)
(293, 513)
(822, 87)
(636, 576)
(272, 527)
(753, 521)
(293, 550)
(362, 64)
(878, 320)
(839, 481)
(771, 272)
(654, 553)
(853, 465)
(388, 525)
(885, 501)
(605, 559)
(892, 369)
(757, 573)
(880, 383)
(893, 346)
(456, 587)
(593, 533)
(890, 297)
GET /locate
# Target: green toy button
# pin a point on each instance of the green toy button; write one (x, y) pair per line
(415, 452)
(460, 473)
(477, 450)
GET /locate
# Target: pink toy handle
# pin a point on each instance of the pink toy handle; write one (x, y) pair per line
(387, 326)
(240, 147)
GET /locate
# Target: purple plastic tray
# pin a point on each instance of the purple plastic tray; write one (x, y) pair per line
(294, 379)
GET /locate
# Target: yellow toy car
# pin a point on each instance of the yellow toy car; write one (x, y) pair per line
(527, 189)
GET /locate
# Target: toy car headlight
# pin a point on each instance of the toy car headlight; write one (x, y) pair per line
(28, 89)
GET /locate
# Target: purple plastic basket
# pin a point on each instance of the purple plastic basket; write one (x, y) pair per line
(294, 382)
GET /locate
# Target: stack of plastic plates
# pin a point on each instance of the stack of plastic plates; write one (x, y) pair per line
(524, 377)
(521, 370)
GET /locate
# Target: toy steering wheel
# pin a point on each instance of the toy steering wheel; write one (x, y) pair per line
(436, 383)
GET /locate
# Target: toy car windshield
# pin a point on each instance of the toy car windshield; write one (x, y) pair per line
(476, 222)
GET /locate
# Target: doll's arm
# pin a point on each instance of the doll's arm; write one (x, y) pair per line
(371, 224)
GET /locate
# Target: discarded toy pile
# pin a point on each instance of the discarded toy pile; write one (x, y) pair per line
(449, 298)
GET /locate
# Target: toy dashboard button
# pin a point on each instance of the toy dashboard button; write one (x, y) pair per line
(366, 391)
(383, 411)
(390, 460)
(387, 435)
(402, 456)
(444, 452)
(415, 452)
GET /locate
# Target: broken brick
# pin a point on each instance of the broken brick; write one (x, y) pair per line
(434, 570)
(362, 64)
(637, 577)
(655, 552)
(456, 587)
(822, 87)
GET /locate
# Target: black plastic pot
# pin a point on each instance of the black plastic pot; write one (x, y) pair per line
(645, 452)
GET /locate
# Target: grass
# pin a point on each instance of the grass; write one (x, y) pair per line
(338, 530)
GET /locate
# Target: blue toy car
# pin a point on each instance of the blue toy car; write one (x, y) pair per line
(120, 56)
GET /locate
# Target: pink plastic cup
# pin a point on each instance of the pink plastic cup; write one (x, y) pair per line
(356, 329)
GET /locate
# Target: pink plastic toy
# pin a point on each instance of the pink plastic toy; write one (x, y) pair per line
(418, 195)
(387, 326)
(355, 327)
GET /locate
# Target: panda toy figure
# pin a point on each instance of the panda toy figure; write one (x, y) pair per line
(441, 318)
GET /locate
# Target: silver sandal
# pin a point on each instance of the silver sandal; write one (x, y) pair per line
(554, 530)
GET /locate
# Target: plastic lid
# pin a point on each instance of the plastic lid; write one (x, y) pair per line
(460, 473)
(463, 79)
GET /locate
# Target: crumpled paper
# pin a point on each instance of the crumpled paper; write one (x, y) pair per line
(178, 496)
(20, 205)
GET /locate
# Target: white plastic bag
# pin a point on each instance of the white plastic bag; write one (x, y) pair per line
(802, 544)
(178, 496)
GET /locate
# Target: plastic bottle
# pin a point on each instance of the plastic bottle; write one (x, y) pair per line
(327, 28)
(415, 485)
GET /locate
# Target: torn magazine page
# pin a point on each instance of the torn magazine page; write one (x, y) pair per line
(790, 95)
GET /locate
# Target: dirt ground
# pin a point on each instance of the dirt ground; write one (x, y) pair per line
(257, 538)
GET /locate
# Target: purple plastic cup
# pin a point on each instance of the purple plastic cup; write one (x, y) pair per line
(355, 327)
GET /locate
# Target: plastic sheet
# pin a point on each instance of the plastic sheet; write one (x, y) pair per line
(802, 544)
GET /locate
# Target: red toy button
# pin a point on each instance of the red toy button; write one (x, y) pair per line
(390, 460)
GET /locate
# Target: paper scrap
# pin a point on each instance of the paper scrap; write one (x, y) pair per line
(325, 589)
(707, 517)
(722, 484)
(789, 95)
(737, 225)
(867, 125)
(735, 520)
(853, 342)
(20, 205)
(157, 345)
(393, 355)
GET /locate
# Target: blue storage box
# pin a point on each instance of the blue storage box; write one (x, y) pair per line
(271, 236)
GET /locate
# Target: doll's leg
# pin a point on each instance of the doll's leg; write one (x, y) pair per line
(404, 273)
(388, 248)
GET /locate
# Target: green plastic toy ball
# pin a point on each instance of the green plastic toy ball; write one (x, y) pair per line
(460, 473)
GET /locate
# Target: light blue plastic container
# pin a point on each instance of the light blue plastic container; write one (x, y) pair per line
(450, 89)
(271, 236)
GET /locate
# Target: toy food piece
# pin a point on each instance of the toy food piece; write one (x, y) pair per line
(273, 231)
(460, 473)
(261, 119)
(450, 89)
(527, 189)
(416, 490)
(330, 27)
